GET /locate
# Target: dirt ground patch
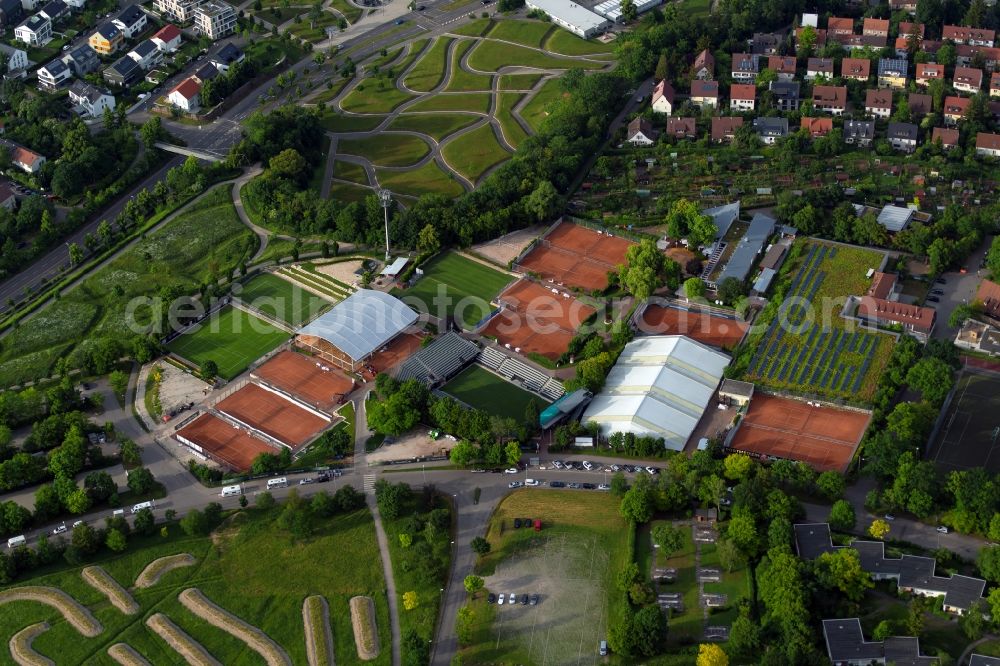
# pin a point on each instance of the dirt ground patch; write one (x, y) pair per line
(502, 250)
(570, 619)
(414, 444)
(342, 271)
(179, 387)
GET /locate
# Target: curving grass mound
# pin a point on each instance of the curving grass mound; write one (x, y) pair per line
(526, 33)
(387, 149)
(74, 613)
(472, 102)
(365, 631)
(102, 581)
(475, 152)
(190, 649)
(350, 171)
(126, 655)
(319, 639)
(564, 42)
(156, 569)
(429, 71)
(21, 650)
(461, 80)
(437, 125)
(512, 130)
(428, 179)
(256, 640)
(374, 96)
(491, 56)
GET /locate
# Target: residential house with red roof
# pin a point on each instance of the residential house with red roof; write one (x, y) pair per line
(724, 128)
(946, 135)
(989, 295)
(916, 320)
(704, 66)
(971, 36)
(967, 79)
(839, 27)
(830, 99)
(745, 66)
(817, 127)
(920, 105)
(784, 66)
(856, 69)
(27, 160)
(877, 27)
(705, 94)
(878, 103)
(186, 95)
(663, 98)
(819, 67)
(995, 84)
(167, 38)
(955, 109)
(988, 144)
(742, 97)
(929, 71)
(682, 128)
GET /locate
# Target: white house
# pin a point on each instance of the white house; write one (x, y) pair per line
(215, 19)
(27, 160)
(167, 38)
(641, 133)
(16, 58)
(146, 54)
(187, 95)
(131, 21)
(90, 101)
(53, 74)
(988, 144)
(663, 98)
(35, 31)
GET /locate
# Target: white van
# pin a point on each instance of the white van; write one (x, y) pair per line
(230, 491)
(142, 505)
(280, 482)
(14, 542)
(531, 482)
(117, 512)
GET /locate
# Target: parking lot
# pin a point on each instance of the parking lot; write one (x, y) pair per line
(569, 620)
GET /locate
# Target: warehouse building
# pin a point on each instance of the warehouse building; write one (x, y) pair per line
(577, 19)
(612, 9)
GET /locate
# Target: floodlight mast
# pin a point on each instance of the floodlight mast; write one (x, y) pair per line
(385, 198)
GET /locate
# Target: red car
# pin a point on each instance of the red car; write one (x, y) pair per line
(538, 525)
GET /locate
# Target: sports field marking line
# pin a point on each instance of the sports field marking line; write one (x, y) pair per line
(823, 438)
(947, 431)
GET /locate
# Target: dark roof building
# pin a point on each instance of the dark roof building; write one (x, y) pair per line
(82, 60)
(11, 13)
(123, 72)
(751, 245)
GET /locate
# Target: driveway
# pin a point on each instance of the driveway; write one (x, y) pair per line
(960, 289)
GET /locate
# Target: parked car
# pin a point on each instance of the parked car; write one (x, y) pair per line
(501, 599)
(304, 482)
(77, 523)
(61, 529)
(604, 486)
(942, 529)
(587, 465)
(534, 600)
(511, 598)
(940, 281)
(557, 484)
(615, 468)
(517, 523)
(651, 470)
(889, 516)
(937, 292)
(491, 599)
(514, 484)
(588, 486)
(933, 299)
(323, 478)
(524, 599)
(510, 470)
(557, 464)
(574, 486)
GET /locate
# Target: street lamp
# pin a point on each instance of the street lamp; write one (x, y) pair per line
(385, 198)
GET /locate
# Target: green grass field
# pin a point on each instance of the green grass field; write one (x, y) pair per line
(437, 125)
(427, 179)
(809, 355)
(381, 61)
(566, 43)
(350, 171)
(461, 80)
(518, 81)
(576, 557)
(350, 193)
(387, 150)
(429, 70)
(328, 94)
(686, 626)
(512, 129)
(475, 102)
(232, 338)
(490, 56)
(374, 96)
(314, 31)
(467, 283)
(481, 389)
(281, 299)
(350, 12)
(472, 154)
(339, 122)
(526, 33)
(474, 28)
(537, 109)
(237, 569)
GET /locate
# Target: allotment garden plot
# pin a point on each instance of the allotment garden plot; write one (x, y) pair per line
(809, 347)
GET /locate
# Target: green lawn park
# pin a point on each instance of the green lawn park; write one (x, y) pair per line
(474, 28)
(385, 149)
(350, 171)
(462, 80)
(537, 109)
(374, 96)
(518, 81)
(475, 102)
(235, 568)
(437, 125)
(466, 283)
(430, 69)
(526, 33)
(512, 129)
(282, 300)
(232, 338)
(473, 153)
(489, 56)
(481, 389)
(427, 179)
(566, 43)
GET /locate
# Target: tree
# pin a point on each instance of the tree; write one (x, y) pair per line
(78, 502)
(619, 484)
(841, 570)
(513, 453)
(744, 635)
(629, 11)
(711, 490)
(879, 529)
(85, 539)
(75, 254)
(410, 600)
(289, 164)
(428, 241)
(144, 522)
(543, 202)
(973, 623)
(710, 654)
(140, 480)
(661, 70)
(473, 584)
(390, 498)
(932, 377)
(670, 539)
(463, 454)
(116, 541)
(118, 381)
(646, 269)
(209, 370)
(993, 257)
(637, 504)
(989, 563)
(914, 618)
(730, 290)
(729, 552)
(743, 532)
(47, 503)
(480, 546)
(736, 466)
(883, 630)
(264, 501)
(842, 516)
(195, 523)
(694, 288)
(830, 484)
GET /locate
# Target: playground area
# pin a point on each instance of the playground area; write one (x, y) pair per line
(576, 256)
(304, 378)
(825, 437)
(971, 428)
(272, 415)
(224, 442)
(701, 326)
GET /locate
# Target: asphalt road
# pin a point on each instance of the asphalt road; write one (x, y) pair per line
(960, 289)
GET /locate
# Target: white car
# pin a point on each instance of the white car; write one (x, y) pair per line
(531, 482)
(500, 599)
(511, 598)
(514, 484)
(942, 529)
(77, 524)
(889, 516)
(651, 470)
(60, 529)
(557, 464)
(587, 465)
(510, 470)
(604, 486)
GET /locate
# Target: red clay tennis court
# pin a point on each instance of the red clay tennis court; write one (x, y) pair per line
(300, 376)
(220, 440)
(536, 320)
(577, 256)
(717, 331)
(824, 437)
(273, 415)
(398, 350)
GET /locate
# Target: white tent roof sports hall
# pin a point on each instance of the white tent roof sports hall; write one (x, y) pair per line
(362, 323)
(659, 387)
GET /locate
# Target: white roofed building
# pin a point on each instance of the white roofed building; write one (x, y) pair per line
(660, 387)
(576, 18)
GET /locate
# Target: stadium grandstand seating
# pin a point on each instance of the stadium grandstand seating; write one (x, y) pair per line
(439, 360)
(513, 369)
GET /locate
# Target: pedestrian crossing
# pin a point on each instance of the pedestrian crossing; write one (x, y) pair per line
(369, 483)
